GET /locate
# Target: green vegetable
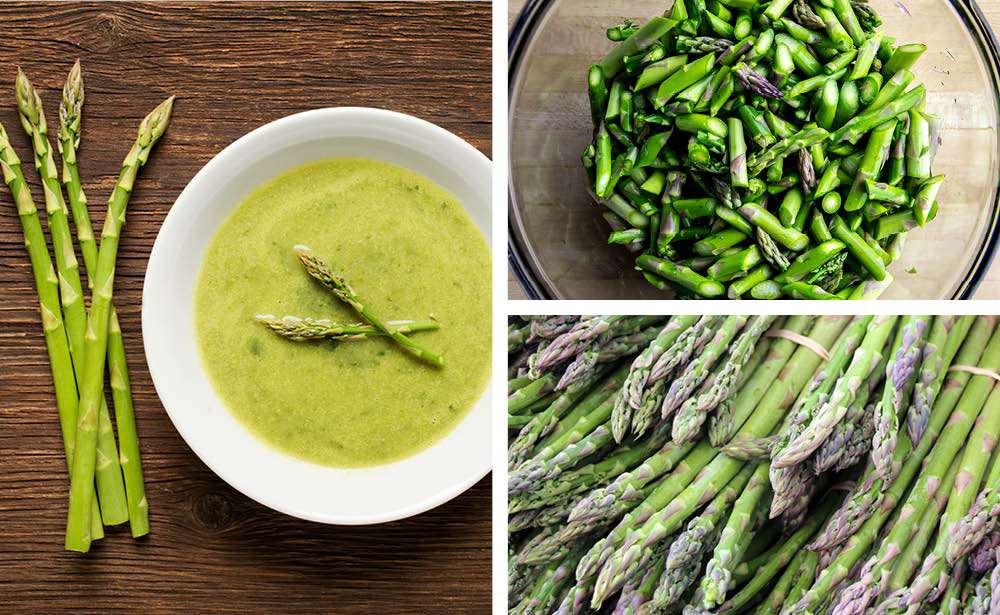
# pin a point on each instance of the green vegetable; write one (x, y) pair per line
(319, 270)
(749, 84)
(53, 326)
(70, 119)
(78, 536)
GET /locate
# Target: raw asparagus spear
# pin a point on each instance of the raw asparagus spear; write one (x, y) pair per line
(898, 375)
(51, 313)
(95, 345)
(70, 120)
(110, 485)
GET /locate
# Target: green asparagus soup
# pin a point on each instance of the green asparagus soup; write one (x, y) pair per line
(409, 251)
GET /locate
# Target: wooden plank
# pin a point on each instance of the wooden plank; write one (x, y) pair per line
(233, 67)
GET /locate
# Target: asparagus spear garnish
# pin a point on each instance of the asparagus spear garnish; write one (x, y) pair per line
(110, 486)
(95, 344)
(303, 329)
(318, 269)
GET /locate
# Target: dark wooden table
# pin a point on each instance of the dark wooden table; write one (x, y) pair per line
(233, 67)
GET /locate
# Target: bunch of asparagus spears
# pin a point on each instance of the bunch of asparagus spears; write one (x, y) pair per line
(764, 149)
(733, 464)
(80, 343)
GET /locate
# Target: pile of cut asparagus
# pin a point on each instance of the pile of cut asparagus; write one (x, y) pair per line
(80, 343)
(764, 149)
(733, 464)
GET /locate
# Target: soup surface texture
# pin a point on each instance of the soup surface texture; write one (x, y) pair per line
(409, 250)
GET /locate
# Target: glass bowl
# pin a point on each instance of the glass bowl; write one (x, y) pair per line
(557, 237)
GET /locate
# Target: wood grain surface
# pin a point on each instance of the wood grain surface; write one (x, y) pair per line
(990, 286)
(233, 67)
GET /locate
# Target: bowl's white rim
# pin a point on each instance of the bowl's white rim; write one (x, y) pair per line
(233, 150)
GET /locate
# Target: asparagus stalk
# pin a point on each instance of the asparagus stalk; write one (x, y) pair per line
(545, 421)
(686, 552)
(78, 536)
(110, 486)
(871, 489)
(698, 370)
(909, 559)
(721, 384)
(735, 538)
(635, 383)
(865, 358)
(787, 554)
(898, 375)
(303, 329)
(56, 341)
(801, 570)
(70, 119)
(594, 505)
(617, 566)
(945, 339)
(978, 522)
(934, 575)
(726, 422)
(319, 270)
(927, 482)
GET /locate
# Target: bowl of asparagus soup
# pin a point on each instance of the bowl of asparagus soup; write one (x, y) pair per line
(316, 315)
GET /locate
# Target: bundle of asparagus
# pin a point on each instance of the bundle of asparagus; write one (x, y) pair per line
(762, 148)
(732, 464)
(80, 344)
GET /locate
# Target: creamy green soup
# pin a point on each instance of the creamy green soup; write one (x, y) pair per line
(410, 252)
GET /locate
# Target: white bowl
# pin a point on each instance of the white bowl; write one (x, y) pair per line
(296, 487)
